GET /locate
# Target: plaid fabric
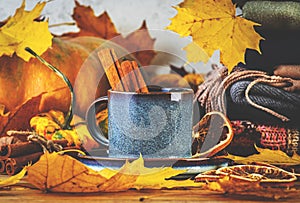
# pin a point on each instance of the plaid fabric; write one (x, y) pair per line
(264, 136)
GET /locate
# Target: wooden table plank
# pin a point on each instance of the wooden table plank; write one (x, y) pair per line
(192, 195)
(15, 195)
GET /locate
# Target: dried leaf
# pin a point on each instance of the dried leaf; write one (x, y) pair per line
(213, 26)
(61, 173)
(90, 25)
(123, 180)
(18, 119)
(277, 157)
(13, 179)
(22, 31)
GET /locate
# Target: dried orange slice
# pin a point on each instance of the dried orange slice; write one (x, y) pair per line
(270, 176)
(211, 134)
(254, 173)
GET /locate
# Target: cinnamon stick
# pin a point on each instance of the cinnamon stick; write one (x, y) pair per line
(123, 77)
(15, 165)
(111, 65)
(19, 149)
(129, 76)
(24, 148)
(140, 79)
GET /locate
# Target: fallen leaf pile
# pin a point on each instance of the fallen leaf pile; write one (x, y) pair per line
(213, 26)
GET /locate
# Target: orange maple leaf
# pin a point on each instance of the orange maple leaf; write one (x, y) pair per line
(139, 42)
(213, 26)
(90, 25)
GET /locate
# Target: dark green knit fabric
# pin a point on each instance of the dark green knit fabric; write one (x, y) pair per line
(273, 14)
(280, 21)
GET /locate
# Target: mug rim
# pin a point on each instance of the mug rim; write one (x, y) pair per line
(163, 90)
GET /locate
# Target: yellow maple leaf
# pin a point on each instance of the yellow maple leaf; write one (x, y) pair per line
(22, 31)
(267, 156)
(213, 26)
(150, 178)
(62, 173)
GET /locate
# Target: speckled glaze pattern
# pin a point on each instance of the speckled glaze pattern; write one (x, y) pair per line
(156, 124)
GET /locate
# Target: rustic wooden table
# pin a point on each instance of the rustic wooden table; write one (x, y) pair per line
(28, 195)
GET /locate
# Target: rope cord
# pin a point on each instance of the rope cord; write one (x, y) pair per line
(271, 80)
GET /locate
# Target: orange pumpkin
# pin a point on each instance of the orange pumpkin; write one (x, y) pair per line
(74, 57)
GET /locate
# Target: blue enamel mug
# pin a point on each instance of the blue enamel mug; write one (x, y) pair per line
(156, 124)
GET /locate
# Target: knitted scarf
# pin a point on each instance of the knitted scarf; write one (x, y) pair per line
(276, 99)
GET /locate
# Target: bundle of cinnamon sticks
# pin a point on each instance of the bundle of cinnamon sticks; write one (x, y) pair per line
(14, 156)
(125, 76)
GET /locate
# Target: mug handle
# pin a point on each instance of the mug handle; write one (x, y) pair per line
(90, 118)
